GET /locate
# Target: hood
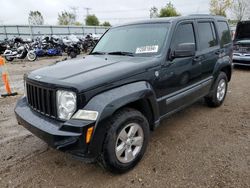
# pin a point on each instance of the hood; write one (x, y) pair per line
(242, 31)
(239, 42)
(92, 71)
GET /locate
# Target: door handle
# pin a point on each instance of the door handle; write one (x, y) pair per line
(218, 52)
(197, 58)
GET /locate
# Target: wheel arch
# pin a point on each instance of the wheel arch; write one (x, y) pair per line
(224, 65)
(228, 71)
(145, 107)
(138, 95)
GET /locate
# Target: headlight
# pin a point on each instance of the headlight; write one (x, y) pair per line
(66, 104)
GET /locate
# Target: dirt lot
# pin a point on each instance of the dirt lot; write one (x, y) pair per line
(197, 147)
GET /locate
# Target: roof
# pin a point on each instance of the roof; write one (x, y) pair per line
(172, 19)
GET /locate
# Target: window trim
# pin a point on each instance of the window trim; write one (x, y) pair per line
(226, 44)
(214, 33)
(211, 22)
(175, 29)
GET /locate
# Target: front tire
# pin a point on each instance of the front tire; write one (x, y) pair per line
(126, 141)
(219, 91)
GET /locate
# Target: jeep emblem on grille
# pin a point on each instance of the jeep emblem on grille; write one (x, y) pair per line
(38, 77)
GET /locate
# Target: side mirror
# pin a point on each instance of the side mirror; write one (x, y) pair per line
(184, 50)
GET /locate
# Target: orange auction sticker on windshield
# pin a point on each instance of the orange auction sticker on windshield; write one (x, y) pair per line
(147, 49)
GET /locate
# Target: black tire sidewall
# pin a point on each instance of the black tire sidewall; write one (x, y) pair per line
(9, 58)
(215, 100)
(73, 54)
(123, 119)
(35, 56)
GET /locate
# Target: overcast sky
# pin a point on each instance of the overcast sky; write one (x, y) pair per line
(114, 11)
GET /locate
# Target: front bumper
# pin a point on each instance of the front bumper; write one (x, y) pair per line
(241, 59)
(66, 136)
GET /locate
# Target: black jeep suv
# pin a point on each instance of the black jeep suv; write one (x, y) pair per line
(102, 107)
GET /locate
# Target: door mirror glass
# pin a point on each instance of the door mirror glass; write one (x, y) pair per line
(184, 50)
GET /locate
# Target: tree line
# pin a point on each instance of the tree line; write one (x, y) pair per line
(66, 18)
(239, 9)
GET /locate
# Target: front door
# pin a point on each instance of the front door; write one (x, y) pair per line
(179, 75)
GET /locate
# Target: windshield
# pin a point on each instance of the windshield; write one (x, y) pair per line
(141, 39)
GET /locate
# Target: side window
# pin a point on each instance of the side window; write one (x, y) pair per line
(224, 33)
(207, 35)
(183, 34)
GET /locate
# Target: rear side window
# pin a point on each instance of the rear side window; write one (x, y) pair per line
(224, 33)
(184, 34)
(207, 35)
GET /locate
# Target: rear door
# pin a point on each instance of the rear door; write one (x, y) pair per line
(225, 38)
(208, 46)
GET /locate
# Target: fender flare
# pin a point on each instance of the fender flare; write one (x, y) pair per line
(223, 63)
(108, 102)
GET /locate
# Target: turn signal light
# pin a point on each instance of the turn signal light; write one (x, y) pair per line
(89, 134)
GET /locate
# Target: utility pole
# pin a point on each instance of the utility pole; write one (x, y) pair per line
(87, 10)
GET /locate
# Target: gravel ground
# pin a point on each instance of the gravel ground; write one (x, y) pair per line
(197, 147)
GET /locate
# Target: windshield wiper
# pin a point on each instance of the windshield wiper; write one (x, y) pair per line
(98, 53)
(121, 53)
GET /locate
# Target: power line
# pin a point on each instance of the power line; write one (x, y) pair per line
(128, 18)
(125, 10)
(112, 11)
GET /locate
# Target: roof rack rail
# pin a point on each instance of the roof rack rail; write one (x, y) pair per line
(200, 15)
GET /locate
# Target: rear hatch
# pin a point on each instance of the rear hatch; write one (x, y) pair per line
(242, 38)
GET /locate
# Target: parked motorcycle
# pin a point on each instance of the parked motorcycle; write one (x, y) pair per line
(72, 46)
(3, 46)
(19, 49)
(20, 53)
(88, 43)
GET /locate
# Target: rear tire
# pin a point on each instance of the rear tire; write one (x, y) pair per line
(73, 54)
(219, 91)
(126, 141)
(9, 58)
